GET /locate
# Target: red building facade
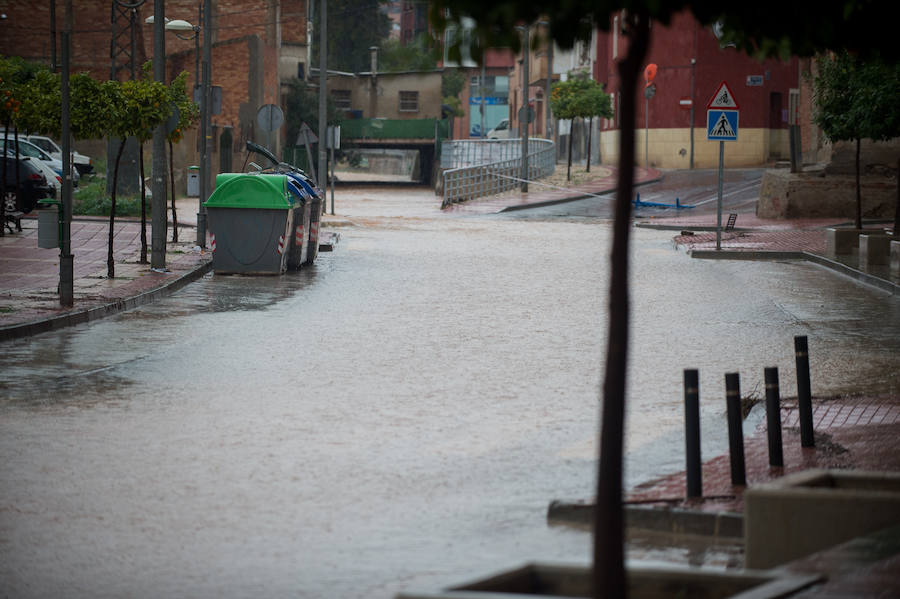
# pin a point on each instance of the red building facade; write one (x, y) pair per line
(690, 67)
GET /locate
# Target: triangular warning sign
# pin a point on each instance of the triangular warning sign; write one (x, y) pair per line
(722, 128)
(306, 135)
(723, 98)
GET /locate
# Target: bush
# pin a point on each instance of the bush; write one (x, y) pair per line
(91, 199)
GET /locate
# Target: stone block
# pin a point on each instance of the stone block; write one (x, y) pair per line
(895, 257)
(812, 510)
(841, 242)
(560, 580)
(874, 249)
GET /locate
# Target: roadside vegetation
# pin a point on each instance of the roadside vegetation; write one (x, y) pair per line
(90, 198)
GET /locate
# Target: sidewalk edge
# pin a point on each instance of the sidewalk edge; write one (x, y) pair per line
(74, 317)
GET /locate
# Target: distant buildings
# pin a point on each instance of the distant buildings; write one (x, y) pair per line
(671, 118)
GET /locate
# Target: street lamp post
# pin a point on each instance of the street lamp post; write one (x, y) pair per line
(180, 25)
(176, 26)
(158, 201)
(523, 112)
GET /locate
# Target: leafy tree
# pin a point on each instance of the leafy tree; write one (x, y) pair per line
(452, 83)
(13, 73)
(188, 113)
(136, 108)
(33, 102)
(848, 91)
(354, 26)
(597, 103)
(579, 97)
(766, 28)
(393, 56)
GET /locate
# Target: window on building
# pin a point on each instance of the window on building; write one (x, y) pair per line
(409, 101)
(342, 99)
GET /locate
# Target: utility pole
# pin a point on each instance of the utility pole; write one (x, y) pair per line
(158, 185)
(549, 85)
(523, 113)
(481, 92)
(66, 259)
(323, 81)
(204, 124)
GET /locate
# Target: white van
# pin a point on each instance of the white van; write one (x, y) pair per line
(501, 131)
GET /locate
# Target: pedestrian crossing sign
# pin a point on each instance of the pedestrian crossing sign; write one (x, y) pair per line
(721, 125)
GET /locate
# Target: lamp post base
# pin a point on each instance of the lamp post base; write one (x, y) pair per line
(201, 229)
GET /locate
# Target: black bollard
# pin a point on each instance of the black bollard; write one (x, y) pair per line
(735, 428)
(804, 396)
(692, 433)
(773, 417)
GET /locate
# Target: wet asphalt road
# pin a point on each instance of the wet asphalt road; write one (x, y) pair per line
(400, 415)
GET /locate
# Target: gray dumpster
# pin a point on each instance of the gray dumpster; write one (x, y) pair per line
(299, 251)
(250, 219)
(315, 217)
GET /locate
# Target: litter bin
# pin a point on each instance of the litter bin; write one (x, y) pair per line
(193, 182)
(250, 219)
(299, 251)
(48, 223)
(315, 213)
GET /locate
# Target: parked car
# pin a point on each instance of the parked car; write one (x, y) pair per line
(33, 185)
(27, 148)
(83, 164)
(501, 131)
(53, 178)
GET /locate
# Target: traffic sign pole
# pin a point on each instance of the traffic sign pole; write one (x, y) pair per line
(722, 117)
(719, 200)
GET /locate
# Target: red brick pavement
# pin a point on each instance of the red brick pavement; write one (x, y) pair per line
(758, 240)
(850, 432)
(29, 275)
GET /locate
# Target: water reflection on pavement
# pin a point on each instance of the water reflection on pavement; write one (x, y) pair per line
(399, 415)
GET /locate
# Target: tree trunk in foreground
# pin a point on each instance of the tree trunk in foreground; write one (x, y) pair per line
(608, 578)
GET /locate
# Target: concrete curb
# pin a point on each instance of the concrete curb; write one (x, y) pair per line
(679, 521)
(572, 198)
(858, 275)
(74, 317)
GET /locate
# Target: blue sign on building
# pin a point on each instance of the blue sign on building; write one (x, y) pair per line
(488, 100)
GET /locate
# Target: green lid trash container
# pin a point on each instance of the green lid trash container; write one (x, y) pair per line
(250, 219)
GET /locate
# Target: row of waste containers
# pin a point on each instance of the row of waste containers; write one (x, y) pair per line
(263, 223)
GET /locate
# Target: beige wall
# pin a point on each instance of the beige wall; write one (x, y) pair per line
(428, 85)
(666, 145)
(387, 98)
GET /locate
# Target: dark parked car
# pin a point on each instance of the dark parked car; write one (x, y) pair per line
(33, 185)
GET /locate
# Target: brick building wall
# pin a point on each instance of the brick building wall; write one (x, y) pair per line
(246, 40)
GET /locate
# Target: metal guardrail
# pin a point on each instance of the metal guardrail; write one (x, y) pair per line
(476, 168)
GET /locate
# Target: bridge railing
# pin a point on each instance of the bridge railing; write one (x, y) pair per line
(477, 168)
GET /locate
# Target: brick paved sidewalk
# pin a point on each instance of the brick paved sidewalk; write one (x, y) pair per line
(29, 276)
(850, 432)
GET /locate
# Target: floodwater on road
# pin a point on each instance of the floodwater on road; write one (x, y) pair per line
(398, 416)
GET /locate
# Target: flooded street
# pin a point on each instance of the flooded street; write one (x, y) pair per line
(398, 416)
